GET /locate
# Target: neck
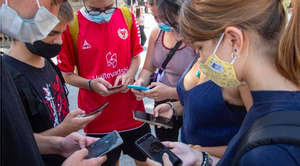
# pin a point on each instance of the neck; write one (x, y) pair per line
(19, 51)
(263, 75)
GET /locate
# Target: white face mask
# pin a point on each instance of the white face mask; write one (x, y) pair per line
(26, 30)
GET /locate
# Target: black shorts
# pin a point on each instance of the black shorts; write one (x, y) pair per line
(128, 147)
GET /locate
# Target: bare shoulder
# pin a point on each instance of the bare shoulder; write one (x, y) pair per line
(154, 32)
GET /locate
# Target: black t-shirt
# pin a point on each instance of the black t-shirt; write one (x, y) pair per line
(18, 145)
(48, 88)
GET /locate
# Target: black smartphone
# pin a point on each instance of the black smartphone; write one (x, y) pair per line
(115, 87)
(104, 145)
(96, 110)
(150, 118)
(154, 149)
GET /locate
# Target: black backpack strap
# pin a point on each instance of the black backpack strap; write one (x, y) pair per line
(276, 127)
(32, 104)
(24, 88)
(169, 57)
(63, 82)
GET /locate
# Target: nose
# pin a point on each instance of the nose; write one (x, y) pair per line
(58, 40)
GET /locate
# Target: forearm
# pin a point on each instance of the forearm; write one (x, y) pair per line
(134, 66)
(48, 144)
(172, 94)
(145, 75)
(75, 80)
(59, 130)
(178, 108)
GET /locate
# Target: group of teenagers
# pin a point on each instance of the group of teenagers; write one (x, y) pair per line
(221, 65)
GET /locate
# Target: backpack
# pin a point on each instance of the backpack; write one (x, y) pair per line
(32, 104)
(276, 127)
(74, 31)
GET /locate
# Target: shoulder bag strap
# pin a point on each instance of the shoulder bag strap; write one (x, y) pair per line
(169, 57)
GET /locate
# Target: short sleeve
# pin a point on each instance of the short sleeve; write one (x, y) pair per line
(66, 57)
(136, 47)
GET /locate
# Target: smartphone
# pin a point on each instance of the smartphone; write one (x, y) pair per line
(138, 87)
(104, 145)
(94, 111)
(115, 87)
(150, 118)
(154, 149)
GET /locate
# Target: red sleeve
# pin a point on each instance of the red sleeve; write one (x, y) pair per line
(66, 57)
(136, 47)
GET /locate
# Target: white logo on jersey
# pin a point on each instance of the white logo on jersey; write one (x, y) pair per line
(86, 45)
(111, 59)
(123, 33)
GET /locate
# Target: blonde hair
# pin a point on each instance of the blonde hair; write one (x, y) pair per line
(65, 13)
(263, 18)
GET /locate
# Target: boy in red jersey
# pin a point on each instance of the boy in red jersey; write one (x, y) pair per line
(108, 55)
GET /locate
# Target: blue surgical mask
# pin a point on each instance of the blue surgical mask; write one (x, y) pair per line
(164, 27)
(26, 30)
(101, 18)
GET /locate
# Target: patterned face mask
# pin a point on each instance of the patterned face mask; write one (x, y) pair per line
(220, 72)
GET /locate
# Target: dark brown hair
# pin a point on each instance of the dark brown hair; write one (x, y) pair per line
(207, 19)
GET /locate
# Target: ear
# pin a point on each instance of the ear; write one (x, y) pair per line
(236, 39)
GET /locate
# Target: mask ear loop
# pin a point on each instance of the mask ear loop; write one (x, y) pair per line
(38, 3)
(234, 58)
(6, 3)
(219, 43)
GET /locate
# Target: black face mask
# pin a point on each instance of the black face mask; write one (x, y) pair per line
(43, 49)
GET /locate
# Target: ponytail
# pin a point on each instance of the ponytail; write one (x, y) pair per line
(288, 56)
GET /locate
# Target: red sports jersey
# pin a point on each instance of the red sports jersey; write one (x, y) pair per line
(104, 50)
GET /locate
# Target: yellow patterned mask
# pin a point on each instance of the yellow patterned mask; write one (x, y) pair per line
(220, 72)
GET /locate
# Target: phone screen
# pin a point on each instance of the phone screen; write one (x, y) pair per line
(154, 149)
(96, 110)
(104, 145)
(150, 118)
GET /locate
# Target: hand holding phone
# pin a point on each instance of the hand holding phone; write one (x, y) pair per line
(154, 149)
(95, 110)
(104, 145)
(115, 87)
(150, 118)
(138, 87)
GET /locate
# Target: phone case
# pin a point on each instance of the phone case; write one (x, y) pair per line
(104, 145)
(161, 121)
(138, 87)
(154, 149)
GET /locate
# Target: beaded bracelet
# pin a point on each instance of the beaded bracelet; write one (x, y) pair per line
(207, 160)
(173, 108)
(89, 85)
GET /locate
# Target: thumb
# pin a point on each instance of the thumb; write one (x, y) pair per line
(166, 160)
(80, 154)
(150, 162)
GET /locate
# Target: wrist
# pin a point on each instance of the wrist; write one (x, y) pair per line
(89, 85)
(173, 109)
(206, 159)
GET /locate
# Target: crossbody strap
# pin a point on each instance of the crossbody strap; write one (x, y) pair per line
(169, 57)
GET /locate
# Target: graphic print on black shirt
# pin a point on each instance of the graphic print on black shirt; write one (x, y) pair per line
(56, 101)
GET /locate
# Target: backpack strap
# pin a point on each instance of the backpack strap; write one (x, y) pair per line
(127, 17)
(24, 89)
(74, 31)
(276, 127)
